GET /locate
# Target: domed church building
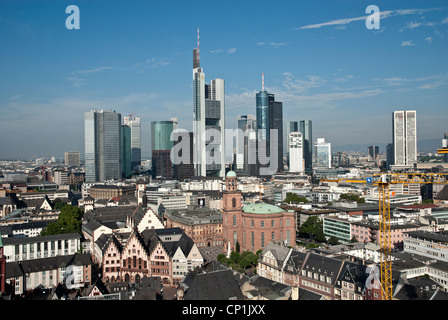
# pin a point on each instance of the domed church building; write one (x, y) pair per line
(253, 225)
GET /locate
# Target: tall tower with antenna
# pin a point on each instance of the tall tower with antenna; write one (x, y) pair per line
(208, 121)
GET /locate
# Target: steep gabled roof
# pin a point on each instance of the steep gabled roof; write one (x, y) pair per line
(113, 240)
(217, 285)
(322, 265)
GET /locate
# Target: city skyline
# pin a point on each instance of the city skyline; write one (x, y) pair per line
(324, 65)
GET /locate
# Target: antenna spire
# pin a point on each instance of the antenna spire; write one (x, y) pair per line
(198, 39)
(262, 82)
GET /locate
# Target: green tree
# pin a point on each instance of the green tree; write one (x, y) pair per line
(69, 220)
(237, 246)
(235, 257)
(313, 228)
(59, 204)
(352, 197)
(294, 198)
(333, 240)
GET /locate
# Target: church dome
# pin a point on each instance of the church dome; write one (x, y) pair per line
(262, 208)
(231, 174)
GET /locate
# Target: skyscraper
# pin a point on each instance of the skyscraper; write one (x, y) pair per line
(306, 128)
(161, 145)
(183, 158)
(126, 151)
(404, 131)
(136, 145)
(246, 125)
(322, 154)
(102, 137)
(445, 145)
(269, 117)
(374, 154)
(72, 158)
(208, 124)
(291, 126)
(295, 152)
(276, 123)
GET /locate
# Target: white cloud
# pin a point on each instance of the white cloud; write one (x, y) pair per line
(407, 43)
(272, 44)
(414, 24)
(231, 50)
(76, 81)
(433, 85)
(99, 69)
(343, 79)
(429, 39)
(445, 21)
(16, 97)
(345, 21)
(216, 51)
(277, 44)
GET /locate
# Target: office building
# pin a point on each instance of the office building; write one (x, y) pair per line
(322, 154)
(295, 143)
(374, 154)
(306, 128)
(445, 145)
(404, 131)
(183, 157)
(126, 151)
(291, 126)
(389, 155)
(208, 122)
(72, 158)
(246, 126)
(102, 145)
(276, 123)
(269, 116)
(136, 145)
(161, 147)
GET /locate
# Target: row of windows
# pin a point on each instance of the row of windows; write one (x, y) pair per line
(262, 224)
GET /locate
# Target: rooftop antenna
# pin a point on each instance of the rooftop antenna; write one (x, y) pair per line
(262, 82)
(198, 38)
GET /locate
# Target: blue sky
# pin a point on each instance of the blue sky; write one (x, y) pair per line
(318, 57)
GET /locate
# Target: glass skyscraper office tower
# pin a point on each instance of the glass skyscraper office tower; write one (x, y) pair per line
(269, 116)
(103, 157)
(161, 146)
(404, 130)
(136, 146)
(208, 122)
(306, 128)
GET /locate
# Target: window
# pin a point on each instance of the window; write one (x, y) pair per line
(234, 220)
(234, 202)
(262, 224)
(252, 238)
(272, 223)
(262, 239)
(252, 223)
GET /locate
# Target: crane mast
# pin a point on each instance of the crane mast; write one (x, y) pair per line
(383, 181)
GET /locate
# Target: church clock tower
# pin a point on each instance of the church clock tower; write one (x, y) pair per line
(231, 214)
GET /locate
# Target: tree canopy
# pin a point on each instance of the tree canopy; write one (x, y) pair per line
(69, 220)
(352, 197)
(313, 228)
(294, 198)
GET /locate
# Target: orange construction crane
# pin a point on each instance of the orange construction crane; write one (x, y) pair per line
(383, 181)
